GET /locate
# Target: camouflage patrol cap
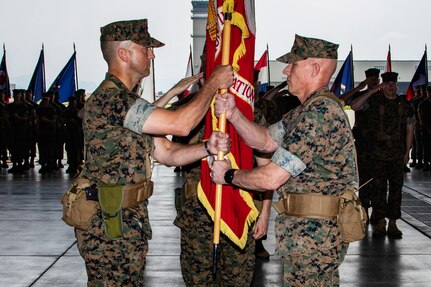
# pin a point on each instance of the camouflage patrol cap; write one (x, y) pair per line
(390, 77)
(304, 48)
(372, 72)
(133, 30)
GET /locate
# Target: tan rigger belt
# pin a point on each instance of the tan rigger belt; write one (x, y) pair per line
(135, 193)
(309, 205)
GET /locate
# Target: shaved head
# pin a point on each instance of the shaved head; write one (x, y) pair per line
(110, 48)
(327, 69)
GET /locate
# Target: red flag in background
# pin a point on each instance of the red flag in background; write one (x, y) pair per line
(238, 210)
(263, 68)
(389, 61)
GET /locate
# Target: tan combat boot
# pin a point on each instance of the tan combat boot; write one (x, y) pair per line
(393, 230)
(380, 229)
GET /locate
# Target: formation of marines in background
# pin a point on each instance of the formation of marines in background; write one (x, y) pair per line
(49, 125)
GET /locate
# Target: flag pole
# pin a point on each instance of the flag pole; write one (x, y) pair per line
(43, 68)
(228, 6)
(191, 60)
(426, 65)
(352, 69)
(76, 68)
(390, 55)
(267, 61)
(389, 60)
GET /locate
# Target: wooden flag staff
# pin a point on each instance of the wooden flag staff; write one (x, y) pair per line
(228, 7)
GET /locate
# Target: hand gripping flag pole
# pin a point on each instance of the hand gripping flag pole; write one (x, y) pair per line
(227, 11)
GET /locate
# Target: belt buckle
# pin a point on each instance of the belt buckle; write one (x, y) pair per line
(140, 194)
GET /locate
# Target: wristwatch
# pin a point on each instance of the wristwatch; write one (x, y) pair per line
(229, 175)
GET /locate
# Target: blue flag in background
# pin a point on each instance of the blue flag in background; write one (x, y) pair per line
(4, 77)
(344, 80)
(64, 84)
(37, 82)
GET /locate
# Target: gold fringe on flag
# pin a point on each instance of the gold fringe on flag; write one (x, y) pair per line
(212, 20)
(239, 21)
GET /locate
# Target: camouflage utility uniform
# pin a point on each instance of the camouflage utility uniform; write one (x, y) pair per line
(389, 117)
(235, 266)
(116, 155)
(316, 145)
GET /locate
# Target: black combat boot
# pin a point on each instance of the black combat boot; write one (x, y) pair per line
(393, 231)
(380, 229)
(420, 165)
(260, 251)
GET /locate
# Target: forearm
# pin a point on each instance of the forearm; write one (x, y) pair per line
(264, 178)
(266, 204)
(191, 114)
(358, 104)
(176, 154)
(254, 135)
(274, 91)
(162, 101)
(347, 96)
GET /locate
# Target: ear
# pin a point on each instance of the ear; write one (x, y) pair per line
(315, 69)
(123, 54)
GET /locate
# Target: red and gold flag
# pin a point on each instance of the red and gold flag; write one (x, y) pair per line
(389, 61)
(238, 210)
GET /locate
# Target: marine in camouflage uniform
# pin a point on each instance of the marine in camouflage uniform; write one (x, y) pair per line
(312, 249)
(116, 156)
(72, 131)
(392, 119)
(417, 149)
(46, 119)
(313, 153)
(18, 119)
(236, 266)
(117, 127)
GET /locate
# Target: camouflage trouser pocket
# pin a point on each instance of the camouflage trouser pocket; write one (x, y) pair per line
(190, 188)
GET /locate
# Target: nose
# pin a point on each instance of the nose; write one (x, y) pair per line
(287, 69)
(151, 54)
